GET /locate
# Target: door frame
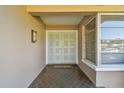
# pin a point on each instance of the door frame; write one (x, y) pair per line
(61, 31)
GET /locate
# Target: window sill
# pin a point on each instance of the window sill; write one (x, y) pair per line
(106, 67)
(89, 63)
(112, 52)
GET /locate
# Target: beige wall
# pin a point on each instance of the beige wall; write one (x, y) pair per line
(110, 79)
(91, 74)
(80, 42)
(20, 60)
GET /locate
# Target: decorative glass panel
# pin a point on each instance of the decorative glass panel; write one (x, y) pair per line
(61, 47)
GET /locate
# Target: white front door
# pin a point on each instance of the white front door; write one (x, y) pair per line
(61, 47)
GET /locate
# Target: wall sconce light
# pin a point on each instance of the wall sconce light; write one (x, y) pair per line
(33, 36)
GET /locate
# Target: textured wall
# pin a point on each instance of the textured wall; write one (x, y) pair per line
(20, 60)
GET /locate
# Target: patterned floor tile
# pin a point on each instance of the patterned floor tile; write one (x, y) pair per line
(52, 77)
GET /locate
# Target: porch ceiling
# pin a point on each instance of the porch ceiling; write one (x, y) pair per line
(62, 19)
(69, 14)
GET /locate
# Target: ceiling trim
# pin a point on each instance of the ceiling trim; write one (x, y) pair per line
(74, 8)
(62, 13)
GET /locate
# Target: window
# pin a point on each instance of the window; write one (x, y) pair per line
(90, 41)
(112, 39)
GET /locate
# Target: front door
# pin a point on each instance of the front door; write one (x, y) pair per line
(61, 47)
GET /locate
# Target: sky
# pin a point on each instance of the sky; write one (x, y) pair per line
(112, 30)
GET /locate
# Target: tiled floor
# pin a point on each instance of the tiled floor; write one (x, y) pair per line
(66, 77)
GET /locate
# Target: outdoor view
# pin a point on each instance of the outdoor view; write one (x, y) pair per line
(112, 39)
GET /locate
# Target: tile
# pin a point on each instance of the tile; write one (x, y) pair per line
(52, 77)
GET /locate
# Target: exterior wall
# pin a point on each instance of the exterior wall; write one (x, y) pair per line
(99, 78)
(20, 60)
(91, 74)
(110, 79)
(80, 43)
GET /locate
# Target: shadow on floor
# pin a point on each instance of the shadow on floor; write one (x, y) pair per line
(62, 76)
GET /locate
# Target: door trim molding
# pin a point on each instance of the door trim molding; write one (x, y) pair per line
(62, 31)
(61, 27)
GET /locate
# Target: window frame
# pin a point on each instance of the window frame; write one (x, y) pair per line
(84, 45)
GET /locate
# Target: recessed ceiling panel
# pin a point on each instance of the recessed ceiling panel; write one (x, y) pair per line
(61, 20)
